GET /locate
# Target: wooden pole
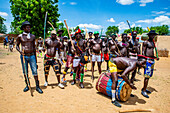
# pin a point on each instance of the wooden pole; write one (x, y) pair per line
(69, 34)
(135, 110)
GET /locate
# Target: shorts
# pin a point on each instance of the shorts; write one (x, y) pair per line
(106, 56)
(76, 62)
(40, 48)
(96, 58)
(62, 54)
(133, 56)
(69, 60)
(113, 67)
(148, 71)
(32, 61)
(48, 63)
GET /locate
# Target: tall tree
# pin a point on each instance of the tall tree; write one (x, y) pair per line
(112, 29)
(2, 25)
(34, 12)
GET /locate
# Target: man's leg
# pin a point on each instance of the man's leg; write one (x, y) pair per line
(133, 76)
(33, 66)
(23, 68)
(76, 63)
(82, 76)
(93, 59)
(114, 85)
(46, 71)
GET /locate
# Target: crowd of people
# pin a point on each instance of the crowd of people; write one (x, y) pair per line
(122, 57)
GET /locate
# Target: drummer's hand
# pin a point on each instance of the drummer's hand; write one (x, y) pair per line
(133, 87)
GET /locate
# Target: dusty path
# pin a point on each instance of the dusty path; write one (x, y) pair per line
(73, 99)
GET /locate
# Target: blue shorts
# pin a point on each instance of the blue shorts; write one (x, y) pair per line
(32, 61)
(148, 71)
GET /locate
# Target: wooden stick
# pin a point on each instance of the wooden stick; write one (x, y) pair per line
(86, 32)
(135, 110)
(26, 74)
(69, 34)
(51, 25)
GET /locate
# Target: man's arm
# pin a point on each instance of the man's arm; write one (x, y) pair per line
(18, 41)
(126, 71)
(144, 48)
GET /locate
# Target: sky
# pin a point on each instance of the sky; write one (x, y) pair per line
(98, 14)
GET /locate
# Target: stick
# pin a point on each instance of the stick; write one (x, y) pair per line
(86, 32)
(69, 34)
(26, 74)
(130, 31)
(135, 110)
(117, 47)
(51, 25)
(45, 25)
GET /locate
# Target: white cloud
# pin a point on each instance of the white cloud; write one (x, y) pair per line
(63, 3)
(111, 20)
(165, 8)
(167, 14)
(143, 5)
(73, 3)
(143, 2)
(160, 12)
(92, 26)
(125, 2)
(161, 19)
(59, 22)
(3, 14)
(123, 25)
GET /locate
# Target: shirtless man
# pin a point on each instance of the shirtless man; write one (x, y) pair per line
(40, 46)
(105, 49)
(79, 60)
(123, 66)
(61, 40)
(70, 56)
(148, 50)
(133, 51)
(96, 45)
(27, 42)
(51, 45)
(112, 47)
(123, 46)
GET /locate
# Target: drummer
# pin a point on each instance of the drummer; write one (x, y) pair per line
(123, 66)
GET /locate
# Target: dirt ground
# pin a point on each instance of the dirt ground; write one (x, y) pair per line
(72, 99)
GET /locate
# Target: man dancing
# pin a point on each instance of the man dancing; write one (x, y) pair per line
(27, 42)
(49, 60)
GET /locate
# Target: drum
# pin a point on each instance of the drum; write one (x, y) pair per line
(104, 85)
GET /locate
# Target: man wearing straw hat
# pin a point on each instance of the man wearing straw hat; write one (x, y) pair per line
(27, 42)
(148, 51)
(51, 45)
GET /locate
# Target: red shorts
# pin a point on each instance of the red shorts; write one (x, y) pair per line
(106, 56)
(69, 61)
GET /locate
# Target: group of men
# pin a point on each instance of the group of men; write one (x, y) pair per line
(121, 57)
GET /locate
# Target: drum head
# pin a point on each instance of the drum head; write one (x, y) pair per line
(125, 92)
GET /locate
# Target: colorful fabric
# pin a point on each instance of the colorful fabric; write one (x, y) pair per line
(148, 71)
(113, 67)
(48, 63)
(69, 60)
(112, 56)
(106, 56)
